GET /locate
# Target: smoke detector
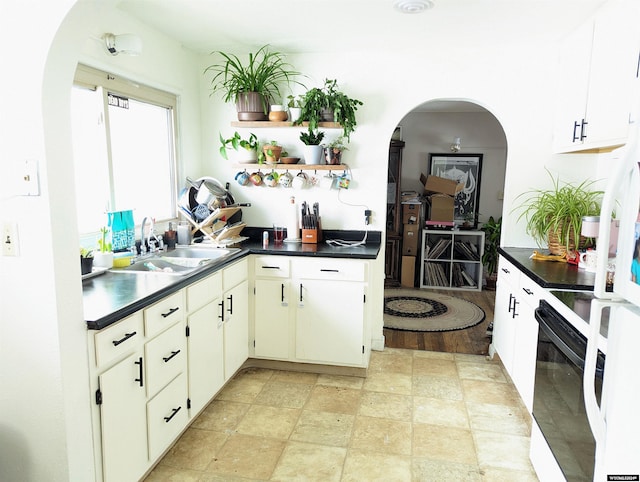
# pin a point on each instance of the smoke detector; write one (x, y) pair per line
(412, 6)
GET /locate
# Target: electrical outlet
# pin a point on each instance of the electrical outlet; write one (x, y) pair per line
(9, 239)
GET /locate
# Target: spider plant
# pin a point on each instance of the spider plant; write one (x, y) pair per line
(264, 72)
(559, 210)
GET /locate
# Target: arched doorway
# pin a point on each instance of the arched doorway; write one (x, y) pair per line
(431, 128)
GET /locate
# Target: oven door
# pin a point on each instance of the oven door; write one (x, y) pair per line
(558, 400)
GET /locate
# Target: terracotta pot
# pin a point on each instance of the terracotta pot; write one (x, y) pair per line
(275, 150)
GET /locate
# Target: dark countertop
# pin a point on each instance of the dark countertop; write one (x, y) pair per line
(549, 274)
(112, 296)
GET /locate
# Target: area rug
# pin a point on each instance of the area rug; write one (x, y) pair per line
(419, 310)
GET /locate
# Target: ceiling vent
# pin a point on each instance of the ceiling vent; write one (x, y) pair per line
(412, 6)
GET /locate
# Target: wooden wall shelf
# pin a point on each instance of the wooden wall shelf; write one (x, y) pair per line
(296, 167)
(259, 124)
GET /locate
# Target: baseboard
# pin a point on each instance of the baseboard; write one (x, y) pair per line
(305, 367)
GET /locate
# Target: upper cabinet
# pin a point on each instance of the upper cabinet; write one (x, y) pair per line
(598, 72)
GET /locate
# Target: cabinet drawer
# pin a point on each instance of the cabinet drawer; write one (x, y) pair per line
(330, 269)
(165, 358)
(167, 416)
(271, 266)
(204, 291)
(118, 339)
(507, 272)
(235, 274)
(164, 313)
(530, 291)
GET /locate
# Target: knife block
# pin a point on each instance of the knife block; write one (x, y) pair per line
(312, 236)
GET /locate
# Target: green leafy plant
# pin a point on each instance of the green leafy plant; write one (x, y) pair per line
(312, 137)
(264, 72)
(558, 211)
(338, 144)
(295, 101)
(328, 97)
(86, 253)
(492, 231)
(236, 142)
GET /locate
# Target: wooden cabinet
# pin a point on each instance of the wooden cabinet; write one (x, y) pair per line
(515, 329)
(311, 310)
(598, 70)
(451, 259)
(394, 214)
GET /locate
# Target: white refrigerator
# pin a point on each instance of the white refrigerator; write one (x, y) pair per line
(615, 421)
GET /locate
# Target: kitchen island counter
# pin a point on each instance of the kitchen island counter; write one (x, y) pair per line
(549, 274)
(112, 296)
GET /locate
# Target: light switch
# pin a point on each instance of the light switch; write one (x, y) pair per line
(9, 239)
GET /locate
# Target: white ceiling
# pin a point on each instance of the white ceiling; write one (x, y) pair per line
(298, 26)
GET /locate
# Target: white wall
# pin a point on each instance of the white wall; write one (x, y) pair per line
(44, 399)
(45, 431)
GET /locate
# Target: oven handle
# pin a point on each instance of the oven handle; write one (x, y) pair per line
(541, 316)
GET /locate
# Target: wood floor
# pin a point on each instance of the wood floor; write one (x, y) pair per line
(472, 340)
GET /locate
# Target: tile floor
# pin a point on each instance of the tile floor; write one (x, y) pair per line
(418, 416)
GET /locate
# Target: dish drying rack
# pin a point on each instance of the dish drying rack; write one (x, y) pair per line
(215, 227)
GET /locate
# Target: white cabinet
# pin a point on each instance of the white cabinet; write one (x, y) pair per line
(124, 420)
(137, 362)
(452, 259)
(205, 341)
(272, 307)
(515, 329)
(235, 312)
(598, 70)
(311, 310)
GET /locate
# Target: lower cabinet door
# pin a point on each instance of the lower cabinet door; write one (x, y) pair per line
(167, 415)
(123, 420)
(236, 328)
(206, 354)
(272, 318)
(330, 321)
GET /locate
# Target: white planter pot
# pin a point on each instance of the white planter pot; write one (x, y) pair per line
(294, 113)
(103, 260)
(312, 154)
(242, 155)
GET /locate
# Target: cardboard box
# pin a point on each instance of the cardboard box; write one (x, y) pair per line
(440, 185)
(441, 208)
(410, 235)
(409, 196)
(410, 213)
(408, 272)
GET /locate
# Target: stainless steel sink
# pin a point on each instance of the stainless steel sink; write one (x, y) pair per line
(181, 261)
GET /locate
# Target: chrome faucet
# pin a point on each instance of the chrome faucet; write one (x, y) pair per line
(144, 243)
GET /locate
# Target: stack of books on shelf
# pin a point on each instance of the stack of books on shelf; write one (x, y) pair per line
(437, 248)
(434, 275)
(461, 277)
(466, 250)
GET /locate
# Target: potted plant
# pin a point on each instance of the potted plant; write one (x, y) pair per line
(244, 150)
(329, 104)
(272, 152)
(295, 107)
(104, 257)
(312, 149)
(554, 216)
(251, 85)
(86, 260)
(492, 230)
(333, 151)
